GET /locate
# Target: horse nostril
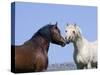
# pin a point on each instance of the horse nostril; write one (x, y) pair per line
(63, 44)
(65, 38)
(69, 38)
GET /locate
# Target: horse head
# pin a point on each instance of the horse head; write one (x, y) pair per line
(56, 37)
(72, 33)
(52, 33)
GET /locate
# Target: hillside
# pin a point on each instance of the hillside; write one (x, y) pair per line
(61, 67)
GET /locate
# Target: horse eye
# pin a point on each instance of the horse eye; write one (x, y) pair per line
(74, 32)
(66, 31)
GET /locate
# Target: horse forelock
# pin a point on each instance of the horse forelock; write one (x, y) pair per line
(76, 27)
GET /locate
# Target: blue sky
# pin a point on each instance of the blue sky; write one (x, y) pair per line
(29, 17)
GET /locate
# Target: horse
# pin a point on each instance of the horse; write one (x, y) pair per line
(85, 52)
(32, 56)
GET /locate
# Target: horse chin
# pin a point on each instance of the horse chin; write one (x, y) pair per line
(63, 44)
(67, 42)
(59, 43)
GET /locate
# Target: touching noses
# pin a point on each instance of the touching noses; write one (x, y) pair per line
(65, 38)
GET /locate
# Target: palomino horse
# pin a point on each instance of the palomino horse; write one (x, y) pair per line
(32, 56)
(85, 52)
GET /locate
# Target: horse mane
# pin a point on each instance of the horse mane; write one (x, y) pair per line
(79, 30)
(44, 32)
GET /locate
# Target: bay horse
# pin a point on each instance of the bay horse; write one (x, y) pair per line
(32, 56)
(85, 52)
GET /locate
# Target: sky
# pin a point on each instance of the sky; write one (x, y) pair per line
(30, 17)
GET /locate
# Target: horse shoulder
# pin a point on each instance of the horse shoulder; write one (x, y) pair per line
(40, 61)
(85, 50)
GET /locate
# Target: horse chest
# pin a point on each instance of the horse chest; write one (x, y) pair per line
(83, 57)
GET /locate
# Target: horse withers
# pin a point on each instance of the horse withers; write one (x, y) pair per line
(85, 52)
(32, 56)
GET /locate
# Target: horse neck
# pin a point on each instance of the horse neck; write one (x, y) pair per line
(41, 41)
(78, 44)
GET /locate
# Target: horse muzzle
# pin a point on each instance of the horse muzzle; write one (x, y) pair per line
(67, 41)
(63, 42)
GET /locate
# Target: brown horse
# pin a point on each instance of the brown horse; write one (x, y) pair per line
(32, 56)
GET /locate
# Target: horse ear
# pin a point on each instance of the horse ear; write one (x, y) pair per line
(75, 24)
(56, 24)
(49, 23)
(67, 24)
